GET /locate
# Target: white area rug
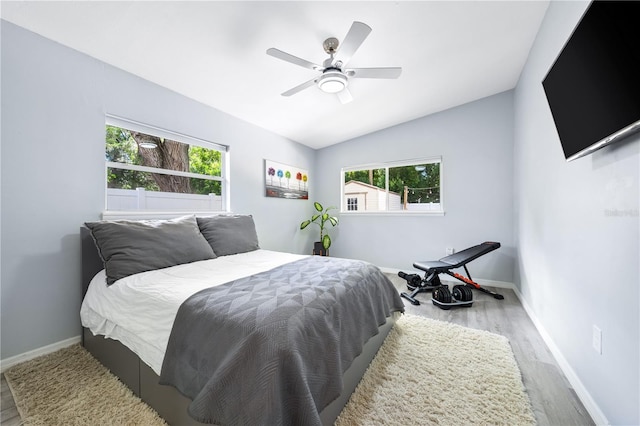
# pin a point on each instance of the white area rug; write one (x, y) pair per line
(70, 387)
(426, 373)
(431, 372)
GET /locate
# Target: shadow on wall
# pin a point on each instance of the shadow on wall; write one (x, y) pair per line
(619, 151)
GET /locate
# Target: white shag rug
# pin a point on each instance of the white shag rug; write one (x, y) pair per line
(431, 372)
(70, 387)
(427, 372)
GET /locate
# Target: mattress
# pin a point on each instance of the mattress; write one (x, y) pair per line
(139, 310)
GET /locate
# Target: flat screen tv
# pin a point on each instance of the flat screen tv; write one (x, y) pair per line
(593, 87)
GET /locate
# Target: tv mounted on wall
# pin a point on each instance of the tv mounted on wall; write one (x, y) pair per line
(593, 87)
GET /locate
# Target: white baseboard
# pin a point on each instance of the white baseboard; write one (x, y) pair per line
(585, 397)
(7, 363)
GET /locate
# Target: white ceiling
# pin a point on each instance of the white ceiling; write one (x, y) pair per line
(451, 53)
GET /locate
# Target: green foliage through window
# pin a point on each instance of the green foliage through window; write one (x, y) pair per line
(375, 177)
(419, 182)
(121, 148)
(127, 147)
(405, 186)
(205, 162)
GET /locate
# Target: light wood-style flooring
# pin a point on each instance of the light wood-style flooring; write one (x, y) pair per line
(9, 415)
(554, 401)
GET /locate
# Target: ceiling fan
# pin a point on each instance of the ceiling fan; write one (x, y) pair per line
(335, 75)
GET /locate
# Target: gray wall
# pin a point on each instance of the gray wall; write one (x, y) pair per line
(54, 101)
(476, 144)
(577, 264)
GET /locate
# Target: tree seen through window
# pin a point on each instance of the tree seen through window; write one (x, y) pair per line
(134, 148)
(395, 186)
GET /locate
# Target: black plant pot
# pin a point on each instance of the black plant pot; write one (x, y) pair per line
(318, 249)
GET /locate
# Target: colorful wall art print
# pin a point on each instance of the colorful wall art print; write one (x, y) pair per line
(283, 181)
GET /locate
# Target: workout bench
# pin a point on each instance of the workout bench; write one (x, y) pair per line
(442, 298)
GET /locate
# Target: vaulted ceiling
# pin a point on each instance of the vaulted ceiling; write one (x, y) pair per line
(451, 53)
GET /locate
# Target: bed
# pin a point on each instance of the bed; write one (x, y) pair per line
(236, 334)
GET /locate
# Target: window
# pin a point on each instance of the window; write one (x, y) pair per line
(407, 186)
(151, 169)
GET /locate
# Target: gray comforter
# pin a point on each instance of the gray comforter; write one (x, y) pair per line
(270, 349)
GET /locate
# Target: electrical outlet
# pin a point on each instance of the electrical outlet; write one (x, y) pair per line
(450, 251)
(597, 339)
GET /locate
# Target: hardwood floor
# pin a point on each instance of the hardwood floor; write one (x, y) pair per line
(9, 415)
(554, 401)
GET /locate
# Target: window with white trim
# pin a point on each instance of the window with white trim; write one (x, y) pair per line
(401, 186)
(152, 169)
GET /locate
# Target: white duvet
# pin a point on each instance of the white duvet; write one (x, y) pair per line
(139, 310)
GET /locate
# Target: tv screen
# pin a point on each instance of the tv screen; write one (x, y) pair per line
(593, 87)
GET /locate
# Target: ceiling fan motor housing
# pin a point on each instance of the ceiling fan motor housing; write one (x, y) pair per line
(335, 74)
(330, 45)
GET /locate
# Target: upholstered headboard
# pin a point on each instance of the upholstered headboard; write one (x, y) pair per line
(91, 261)
(191, 239)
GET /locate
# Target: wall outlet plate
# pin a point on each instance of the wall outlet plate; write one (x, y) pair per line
(597, 339)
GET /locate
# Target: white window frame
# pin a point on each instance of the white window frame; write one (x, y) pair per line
(387, 166)
(125, 123)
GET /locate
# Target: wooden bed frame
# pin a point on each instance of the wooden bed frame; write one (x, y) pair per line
(166, 400)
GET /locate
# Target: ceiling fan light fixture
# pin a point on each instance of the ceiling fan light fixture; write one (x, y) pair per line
(332, 81)
(335, 75)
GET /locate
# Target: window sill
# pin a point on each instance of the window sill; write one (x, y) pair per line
(395, 213)
(141, 214)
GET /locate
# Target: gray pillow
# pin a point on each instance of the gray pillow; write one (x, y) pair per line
(229, 234)
(128, 247)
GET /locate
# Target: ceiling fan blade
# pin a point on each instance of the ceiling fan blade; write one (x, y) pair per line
(389, 72)
(300, 87)
(352, 41)
(276, 53)
(345, 96)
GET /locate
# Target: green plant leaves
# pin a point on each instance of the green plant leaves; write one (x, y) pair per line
(326, 242)
(323, 215)
(305, 224)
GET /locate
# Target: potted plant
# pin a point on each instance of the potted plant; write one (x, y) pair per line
(322, 219)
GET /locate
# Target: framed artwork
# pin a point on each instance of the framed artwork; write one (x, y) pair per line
(284, 181)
